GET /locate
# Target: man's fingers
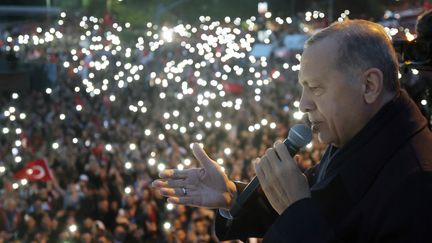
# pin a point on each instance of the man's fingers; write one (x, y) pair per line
(174, 174)
(283, 153)
(258, 168)
(177, 192)
(187, 200)
(169, 183)
(273, 160)
(202, 156)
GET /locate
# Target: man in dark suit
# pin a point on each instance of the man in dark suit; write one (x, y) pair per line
(374, 182)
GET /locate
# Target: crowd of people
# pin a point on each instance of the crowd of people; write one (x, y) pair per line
(114, 113)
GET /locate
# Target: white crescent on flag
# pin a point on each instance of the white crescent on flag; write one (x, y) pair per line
(40, 174)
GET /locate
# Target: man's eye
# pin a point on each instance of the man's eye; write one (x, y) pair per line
(315, 89)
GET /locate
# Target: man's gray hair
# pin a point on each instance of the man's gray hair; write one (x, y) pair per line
(362, 45)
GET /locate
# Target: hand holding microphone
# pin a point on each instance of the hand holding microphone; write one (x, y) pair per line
(281, 180)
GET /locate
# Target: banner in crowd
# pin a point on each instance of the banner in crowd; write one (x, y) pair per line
(36, 170)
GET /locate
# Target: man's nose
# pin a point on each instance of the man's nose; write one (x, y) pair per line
(306, 104)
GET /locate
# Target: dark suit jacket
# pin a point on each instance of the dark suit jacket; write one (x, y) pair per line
(377, 188)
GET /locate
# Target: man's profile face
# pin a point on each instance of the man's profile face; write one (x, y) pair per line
(332, 99)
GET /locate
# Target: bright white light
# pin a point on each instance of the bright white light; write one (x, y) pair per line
(152, 161)
(424, 102)
(161, 167)
(128, 190)
(14, 151)
(2, 169)
(298, 115)
(15, 96)
(276, 75)
(62, 116)
(128, 165)
(48, 91)
(208, 124)
(227, 151)
(167, 35)
(15, 186)
(24, 182)
(78, 107)
(147, 132)
(228, 126)
(170, 206)
(55, 145)
(187, 162)
(108, 147)
(180, 166)
(132, 146)
(167, 226)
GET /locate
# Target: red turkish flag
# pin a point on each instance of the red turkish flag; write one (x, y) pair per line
(36, 170)
(234, 88)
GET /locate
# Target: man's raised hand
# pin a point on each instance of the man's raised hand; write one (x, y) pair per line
(207, 186)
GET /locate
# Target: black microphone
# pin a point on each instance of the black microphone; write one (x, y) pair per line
(299, 136)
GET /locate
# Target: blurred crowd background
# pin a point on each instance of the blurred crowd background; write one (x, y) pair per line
(108, 105)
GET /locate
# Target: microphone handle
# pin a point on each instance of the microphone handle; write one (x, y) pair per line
(244, 196)
(254, 184)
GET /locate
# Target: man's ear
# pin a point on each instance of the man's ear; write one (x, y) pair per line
(373, 84)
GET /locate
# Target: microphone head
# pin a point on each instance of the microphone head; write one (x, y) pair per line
(300, 135)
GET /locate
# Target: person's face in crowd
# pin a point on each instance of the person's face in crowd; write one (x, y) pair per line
(180, 235)
(104, 206)
(332, 99)
(146, 194)
(41, 237)
(103, 239)
(10, 205)
(31, 222)
(86, 238)
(120, 233)
(88, 223)
(46, 221)
(114, 205)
